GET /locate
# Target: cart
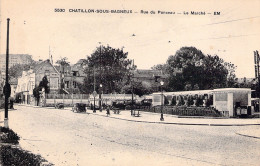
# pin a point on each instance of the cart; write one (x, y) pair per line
(79, 107)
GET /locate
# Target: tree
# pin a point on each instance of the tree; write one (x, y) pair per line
(110, 67)
(161, 67)
(138, 89)
(17, 70)
(44, 83)
(190, 69)
(62, 62)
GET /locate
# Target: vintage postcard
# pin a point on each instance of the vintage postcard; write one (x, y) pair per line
(128, 82)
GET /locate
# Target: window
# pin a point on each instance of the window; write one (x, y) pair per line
(67, 84)
(75, 73)
(74, 84)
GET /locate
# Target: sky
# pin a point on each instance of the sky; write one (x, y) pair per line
(36, 29)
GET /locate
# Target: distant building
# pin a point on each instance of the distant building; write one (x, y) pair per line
(30, 79)
(13, 60)
(246, 80)
(149, 78)
(72, 76)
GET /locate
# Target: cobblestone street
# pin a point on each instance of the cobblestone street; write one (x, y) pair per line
(67, 138)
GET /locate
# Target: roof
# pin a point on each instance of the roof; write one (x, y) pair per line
(38, 66)
(200, 92)
(187, 92)
(226, 90)
(146, 73)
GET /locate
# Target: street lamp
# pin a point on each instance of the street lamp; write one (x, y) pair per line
(132, 90)
(100, 99)
(100, 85)
(162, 119)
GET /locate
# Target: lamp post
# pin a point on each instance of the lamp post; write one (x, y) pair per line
(132, 90)
(100, 82)
(162, 119)
(7, 88)
(100, 98)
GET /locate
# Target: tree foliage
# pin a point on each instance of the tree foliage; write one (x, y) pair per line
(138, 88)
(62, 62)
(110, 67)
(190, 69)
(17, 70)
(44, 83)
(161, 67)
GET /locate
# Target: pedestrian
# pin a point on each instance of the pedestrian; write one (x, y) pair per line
(11, 103)
(108, 110)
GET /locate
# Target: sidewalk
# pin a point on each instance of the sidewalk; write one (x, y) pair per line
(148, 117)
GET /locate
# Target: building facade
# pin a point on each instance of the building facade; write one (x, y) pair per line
(149, 78)
(32, 78)
(72, 77)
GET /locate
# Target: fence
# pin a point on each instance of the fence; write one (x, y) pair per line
(71, 99)
(66, 99)
(182, 110)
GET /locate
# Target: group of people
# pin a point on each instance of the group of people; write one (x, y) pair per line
(107, 107)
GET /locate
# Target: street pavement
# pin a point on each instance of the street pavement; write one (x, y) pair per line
(67, 138)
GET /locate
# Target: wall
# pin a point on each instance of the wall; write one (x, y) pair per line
(221, 101)
(241, 97)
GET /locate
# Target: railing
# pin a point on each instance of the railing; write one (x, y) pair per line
(67, 96)
(182, 111)
(71, 99)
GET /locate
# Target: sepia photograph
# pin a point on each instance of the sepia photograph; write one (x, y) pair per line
(128, 82)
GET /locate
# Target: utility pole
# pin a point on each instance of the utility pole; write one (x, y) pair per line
(257, 61)
(7, 88)
(94, 93)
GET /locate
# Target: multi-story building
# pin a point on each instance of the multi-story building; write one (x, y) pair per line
(30, 79)
(72, 76)
(13, 60)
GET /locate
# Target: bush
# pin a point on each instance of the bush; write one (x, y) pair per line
(15, 156)
(199, 102)
(166, 101)
(173, 100)
(209, 101)
(190, 101)
(8, 136)
(181, 101)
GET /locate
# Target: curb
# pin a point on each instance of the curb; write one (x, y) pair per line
(248, 136)
(173, 123)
